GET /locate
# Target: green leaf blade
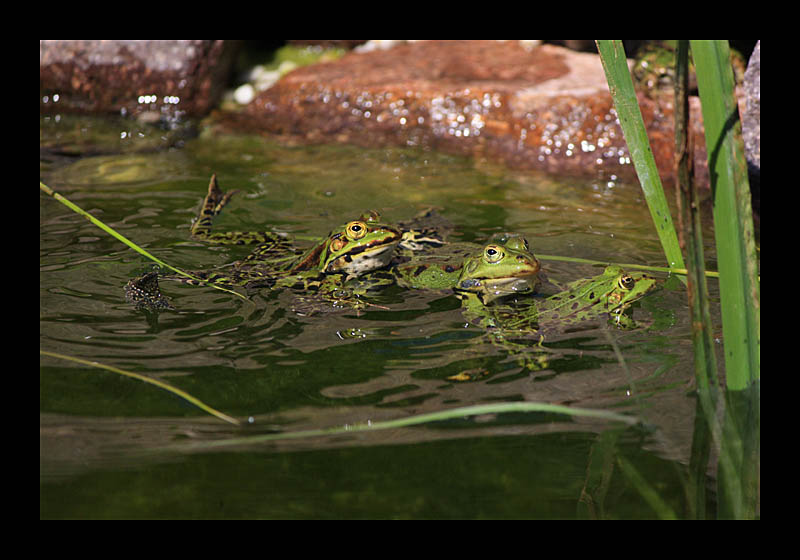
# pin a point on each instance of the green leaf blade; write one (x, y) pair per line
(620, 85)
(733, 223)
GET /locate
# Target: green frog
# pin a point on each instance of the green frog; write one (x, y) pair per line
(512, 315)
(433, 270)
(506, 267)
(442, 269)
(609, 294)
(357, 247)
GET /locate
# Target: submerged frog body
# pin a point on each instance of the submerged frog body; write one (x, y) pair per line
(503, 270)
(438, 270)
(350, 250)
(607, 295)
(508, 319)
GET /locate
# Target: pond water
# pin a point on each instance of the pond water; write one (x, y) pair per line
(114, 447)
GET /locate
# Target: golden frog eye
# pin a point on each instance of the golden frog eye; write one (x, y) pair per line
(355, 230)
(626, 282)
(493, 253)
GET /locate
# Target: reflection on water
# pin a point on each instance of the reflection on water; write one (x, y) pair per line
(409, 354)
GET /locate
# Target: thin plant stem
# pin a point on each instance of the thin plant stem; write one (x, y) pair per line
(78, 210)
(160, 384)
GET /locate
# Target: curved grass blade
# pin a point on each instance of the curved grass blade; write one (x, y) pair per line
(78, 210)
(450, 414)
(620, 85)
(166, 386)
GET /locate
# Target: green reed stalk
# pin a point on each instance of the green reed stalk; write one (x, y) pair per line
(739, 435)
(705, 362)
(733, 214)
(689, 212)
(620, 84)
(739, 463)
(626, 266)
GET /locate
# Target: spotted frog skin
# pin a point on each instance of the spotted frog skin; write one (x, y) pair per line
(511, 317)
(609, 295)
(438, 270)
(357, 247)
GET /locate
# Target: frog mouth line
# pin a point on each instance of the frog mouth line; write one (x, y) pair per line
(496, 288)
(370, 250)
(367, 258)
(509, 283)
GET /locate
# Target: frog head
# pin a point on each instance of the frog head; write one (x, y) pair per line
(624, 288)
(357, 247)
(505, 267)
(611, 292)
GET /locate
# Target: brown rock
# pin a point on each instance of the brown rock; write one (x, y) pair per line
(166, 77)
(545, 108)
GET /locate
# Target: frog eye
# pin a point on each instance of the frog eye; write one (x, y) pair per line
(355, 230)
(626, 282)
(493, 253)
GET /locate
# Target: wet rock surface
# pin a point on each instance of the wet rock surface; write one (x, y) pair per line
(751, 117)
(150, 79)
(545, 108)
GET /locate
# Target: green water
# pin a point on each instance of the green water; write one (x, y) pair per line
(102, 435)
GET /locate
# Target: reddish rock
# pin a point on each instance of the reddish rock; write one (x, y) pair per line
(545, 108)
(328, 43)
(167, 77)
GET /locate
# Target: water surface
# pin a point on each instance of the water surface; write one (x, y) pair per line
(257, 360)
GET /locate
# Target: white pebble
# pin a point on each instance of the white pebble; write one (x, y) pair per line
(244, 94)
